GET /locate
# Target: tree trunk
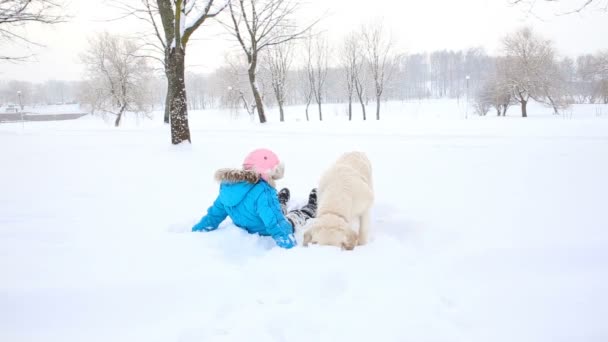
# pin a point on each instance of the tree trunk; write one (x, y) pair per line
(168, 100)
(256, 95)
(554, 105)
(119, 116)
(363, 109)
(280, 99)
(350, 108)
(504, 110)
(524, 109)
(498, 110)
(378, 107)
(320, 113)
(178, 110)
(308, 105)
(281, 112)
(360, 96)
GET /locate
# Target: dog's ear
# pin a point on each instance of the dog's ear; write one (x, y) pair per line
(307, 238)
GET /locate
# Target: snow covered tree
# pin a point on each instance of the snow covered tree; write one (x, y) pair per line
(174, 22)
(529, 60)
(117, 79)
(16, 14)
(258, 25)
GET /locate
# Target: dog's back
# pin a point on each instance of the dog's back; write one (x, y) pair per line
(359, 162)
(346, 187)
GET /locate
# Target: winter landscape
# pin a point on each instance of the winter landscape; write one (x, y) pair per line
(490, 171)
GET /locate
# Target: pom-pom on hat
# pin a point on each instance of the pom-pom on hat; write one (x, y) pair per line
(266, 163)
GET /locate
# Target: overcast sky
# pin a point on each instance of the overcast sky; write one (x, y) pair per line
(417, 26)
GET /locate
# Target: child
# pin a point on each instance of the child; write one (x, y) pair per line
(249, 198)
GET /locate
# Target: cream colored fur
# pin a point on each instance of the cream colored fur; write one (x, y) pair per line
(345, 199)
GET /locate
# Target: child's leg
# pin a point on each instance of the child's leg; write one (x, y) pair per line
(299, 217)
(283, 199)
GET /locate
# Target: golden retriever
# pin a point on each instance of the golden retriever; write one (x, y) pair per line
(345, 199)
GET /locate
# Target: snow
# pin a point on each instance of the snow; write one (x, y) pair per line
(195, 16)
(484, 229)
(197, 9)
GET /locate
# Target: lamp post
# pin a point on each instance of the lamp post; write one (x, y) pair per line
(19, 97)
(20, 106)
(466, 111)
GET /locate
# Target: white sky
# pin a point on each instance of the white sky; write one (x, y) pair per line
(418, 26)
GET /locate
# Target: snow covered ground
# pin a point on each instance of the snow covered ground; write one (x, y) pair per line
(485, 229)
(51, 109)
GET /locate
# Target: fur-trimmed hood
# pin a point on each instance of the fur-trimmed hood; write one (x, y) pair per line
(239, 175)
(236, 175)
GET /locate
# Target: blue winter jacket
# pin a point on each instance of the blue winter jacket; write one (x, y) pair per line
(252, 204)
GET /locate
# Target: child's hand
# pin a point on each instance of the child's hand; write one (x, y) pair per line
(285, 241)
(200, 227)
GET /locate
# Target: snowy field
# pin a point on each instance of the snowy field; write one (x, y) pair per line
(484, 229)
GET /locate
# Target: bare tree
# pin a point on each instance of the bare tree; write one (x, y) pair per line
(195, 83)
(528, 58)
(592, 78)
(305, 79)
(117, 78)
(278, 59)
(16, 14)
(360, 79)
(350, 60)
(258, 25)
(494, 92)
(602, 63)
(552, 87)
(318, 52)
(380, 58)
(154, 41)
(601, 70)
(502, 95)
(235, 80)
(586, 74)
(353, 62)
(482, 101)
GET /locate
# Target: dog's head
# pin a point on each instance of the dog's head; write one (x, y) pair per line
(330, 231)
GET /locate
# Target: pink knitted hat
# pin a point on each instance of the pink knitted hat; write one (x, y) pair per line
(264, 162)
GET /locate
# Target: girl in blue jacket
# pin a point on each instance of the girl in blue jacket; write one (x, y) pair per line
(249, 198)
